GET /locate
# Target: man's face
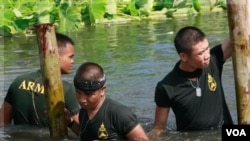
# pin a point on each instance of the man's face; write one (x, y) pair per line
(66, 58)
(199, 57)
(92, 100)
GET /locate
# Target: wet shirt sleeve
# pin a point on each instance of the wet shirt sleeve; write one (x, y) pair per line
(218, 53)
(126, 121)
(161, 98)
(8, 97)
(12, 90)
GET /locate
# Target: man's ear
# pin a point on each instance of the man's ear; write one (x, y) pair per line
(103, 90)
(183, 57)
(104, 87)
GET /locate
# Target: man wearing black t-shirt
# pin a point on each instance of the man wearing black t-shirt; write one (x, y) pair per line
(24, 103)
(102, 118)
(193, 89)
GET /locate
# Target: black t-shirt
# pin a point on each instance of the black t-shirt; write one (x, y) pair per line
(27, 97)
(193, 112)
(112, 121)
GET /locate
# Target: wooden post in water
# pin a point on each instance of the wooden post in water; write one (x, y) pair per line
(239, 26)
(49, 60)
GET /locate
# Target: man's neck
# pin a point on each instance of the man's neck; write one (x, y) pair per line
(93, 112)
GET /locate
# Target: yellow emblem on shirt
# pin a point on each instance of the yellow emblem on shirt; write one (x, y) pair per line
(211, 83)
(102, 132)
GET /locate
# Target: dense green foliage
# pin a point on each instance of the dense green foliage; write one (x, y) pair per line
(20, 16)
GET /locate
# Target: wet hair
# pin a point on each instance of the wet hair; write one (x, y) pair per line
(62, 40)
(89, 77)
(186, 38)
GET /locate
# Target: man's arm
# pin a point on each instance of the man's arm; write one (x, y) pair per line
(75, 117)
(161, 117)
(227, 49)
(5, 114)
(138, 133)
(75, 125)
(73, 121)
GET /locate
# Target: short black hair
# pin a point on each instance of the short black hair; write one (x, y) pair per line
(63, 39)
(186, 37)
(90, 71)
(89, 77)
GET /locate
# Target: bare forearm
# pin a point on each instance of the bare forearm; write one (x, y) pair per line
(159, 129)
(5, 114)
(74, 126)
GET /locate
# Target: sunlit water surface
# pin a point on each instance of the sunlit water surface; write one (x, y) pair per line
(134, 56)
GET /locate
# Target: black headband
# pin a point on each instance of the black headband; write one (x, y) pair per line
(88, 86)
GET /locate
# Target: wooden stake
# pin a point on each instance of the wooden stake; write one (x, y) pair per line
(239, 24)
(49, 61)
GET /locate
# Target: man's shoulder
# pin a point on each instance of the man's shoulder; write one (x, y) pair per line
(216, 49)
(28, 75)
(217, 55)
(67, 84)
(116, 108)
(115, 105)
(169, 77)
(68, 88)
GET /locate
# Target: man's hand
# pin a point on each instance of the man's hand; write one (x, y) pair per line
(68, 117)
(155, 133)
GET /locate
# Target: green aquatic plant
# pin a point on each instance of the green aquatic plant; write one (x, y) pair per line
(19, 16)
